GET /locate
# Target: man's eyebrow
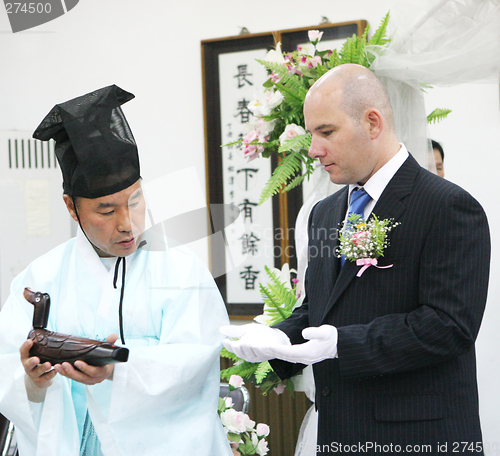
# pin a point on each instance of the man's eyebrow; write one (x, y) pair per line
(322, 126)
(104, 205)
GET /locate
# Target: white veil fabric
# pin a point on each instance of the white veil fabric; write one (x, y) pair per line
(433, 43)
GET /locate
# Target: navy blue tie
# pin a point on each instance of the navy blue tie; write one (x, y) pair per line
(359, 200)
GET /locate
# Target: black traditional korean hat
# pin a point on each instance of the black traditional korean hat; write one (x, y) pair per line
(95, 147)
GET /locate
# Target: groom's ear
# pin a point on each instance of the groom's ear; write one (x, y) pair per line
(374, 122)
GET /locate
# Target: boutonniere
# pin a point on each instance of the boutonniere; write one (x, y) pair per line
(364, 241)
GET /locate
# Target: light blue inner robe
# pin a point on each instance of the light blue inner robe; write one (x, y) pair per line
(163, 401)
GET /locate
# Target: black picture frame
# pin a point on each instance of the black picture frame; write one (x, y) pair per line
(285, 207)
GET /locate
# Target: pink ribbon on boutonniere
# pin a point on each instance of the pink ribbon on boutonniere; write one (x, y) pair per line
(366, 263)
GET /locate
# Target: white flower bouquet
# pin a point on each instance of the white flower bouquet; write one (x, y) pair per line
(246, 439)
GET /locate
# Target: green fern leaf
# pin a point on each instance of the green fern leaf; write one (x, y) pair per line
(287, 169)
(227, 354)
(334, 59)
(245, 370)
(261, 372)
(364, 37)
(438, 115)
(295, 183)
(269, 300)
(353, 50)
(238, 142)
(300, 142)
(346, 52)
(279, 299)
(320, 71)
(276, 311)
(287, 81)
(292, 96)
(379, 38)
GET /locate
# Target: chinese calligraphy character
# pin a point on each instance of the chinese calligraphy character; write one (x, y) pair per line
(249, 243)
(249, 277)
(242, 76)
(248, 173)
(247, 210)
(244, 112)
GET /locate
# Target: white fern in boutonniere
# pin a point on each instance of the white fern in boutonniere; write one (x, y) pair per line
(364, 241)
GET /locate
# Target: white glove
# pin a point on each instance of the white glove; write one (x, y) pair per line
(322, 345)
(254, 339)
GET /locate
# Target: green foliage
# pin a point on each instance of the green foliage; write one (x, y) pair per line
(353, 51)
(295, 164)
(288, 84)
(259, 374)
(293, 78)
(438, 115)
(288, 168)
(379, 38)
(300, 142)
(364, 239)
(279, 299)
(244, 369)
(279, 302)
(262, 371)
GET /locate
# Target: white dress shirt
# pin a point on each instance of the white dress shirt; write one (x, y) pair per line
(377, 183)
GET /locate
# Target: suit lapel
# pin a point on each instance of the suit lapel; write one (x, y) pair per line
(389, 205)
(338, 215)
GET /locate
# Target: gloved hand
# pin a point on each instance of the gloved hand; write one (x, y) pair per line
(253, 340)
(322, 345)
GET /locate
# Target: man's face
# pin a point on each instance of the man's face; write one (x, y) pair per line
(341, 144)
(113, 223)
(439, 163)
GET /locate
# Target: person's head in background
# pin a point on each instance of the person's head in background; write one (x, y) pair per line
(439, 157)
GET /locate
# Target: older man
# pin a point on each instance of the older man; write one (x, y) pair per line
(392, 347)
(110, 280)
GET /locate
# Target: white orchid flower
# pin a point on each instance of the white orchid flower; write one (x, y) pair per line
(275, 56)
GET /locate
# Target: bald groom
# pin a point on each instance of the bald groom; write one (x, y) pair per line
(392, 350)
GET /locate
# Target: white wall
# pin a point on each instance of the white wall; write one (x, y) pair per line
(470, 137)
(152, 49)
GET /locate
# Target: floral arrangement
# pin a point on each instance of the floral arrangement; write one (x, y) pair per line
(245, 438)
(363, 241)
(280, 297)
(279, 125)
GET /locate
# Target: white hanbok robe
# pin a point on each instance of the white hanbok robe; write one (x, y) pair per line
(163, 401)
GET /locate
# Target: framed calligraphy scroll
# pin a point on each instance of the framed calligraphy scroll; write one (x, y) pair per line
(231, 79)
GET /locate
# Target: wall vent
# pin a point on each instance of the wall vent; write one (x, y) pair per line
(33, 216)
(29, 153)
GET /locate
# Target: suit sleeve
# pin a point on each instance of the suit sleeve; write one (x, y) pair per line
(452, 289)
(293, 327)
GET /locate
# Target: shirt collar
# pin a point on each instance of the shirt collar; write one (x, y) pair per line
(377, 183)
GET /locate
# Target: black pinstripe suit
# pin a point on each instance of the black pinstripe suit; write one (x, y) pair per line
(406, 371)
